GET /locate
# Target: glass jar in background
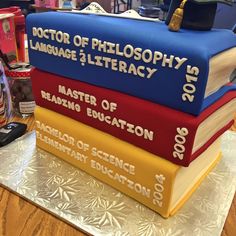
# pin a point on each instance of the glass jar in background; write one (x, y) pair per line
(149, 11)
(19, 79)
(154, 8)
(5, 98)
(149, 8)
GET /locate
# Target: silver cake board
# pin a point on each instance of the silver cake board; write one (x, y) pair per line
(95, 208)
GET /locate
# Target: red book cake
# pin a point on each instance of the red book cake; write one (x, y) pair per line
(176, 136)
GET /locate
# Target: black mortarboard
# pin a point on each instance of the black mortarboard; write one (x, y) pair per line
(193, 14)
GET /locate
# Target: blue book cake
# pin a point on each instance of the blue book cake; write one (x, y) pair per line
(186, 70)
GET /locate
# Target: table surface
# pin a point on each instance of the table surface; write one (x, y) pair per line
(21, 218)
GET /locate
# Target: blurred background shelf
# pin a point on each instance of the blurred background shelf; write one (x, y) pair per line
(45, 9)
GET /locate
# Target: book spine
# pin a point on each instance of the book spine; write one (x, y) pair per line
(153, 127)
(149, 180)
(142, 67)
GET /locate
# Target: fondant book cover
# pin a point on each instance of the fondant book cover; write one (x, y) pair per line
(151, 180)
(176, 136)
(137, 57)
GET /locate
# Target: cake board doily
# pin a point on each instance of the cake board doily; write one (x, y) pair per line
(95, 208)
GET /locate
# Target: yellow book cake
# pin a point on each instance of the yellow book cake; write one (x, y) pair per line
(151, 180)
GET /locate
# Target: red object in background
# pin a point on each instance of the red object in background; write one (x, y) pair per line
(19, 20)
(7, 37)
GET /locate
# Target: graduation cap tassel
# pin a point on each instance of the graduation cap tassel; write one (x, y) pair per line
(177, 17)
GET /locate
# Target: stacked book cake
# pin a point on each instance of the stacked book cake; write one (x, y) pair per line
(133, 104)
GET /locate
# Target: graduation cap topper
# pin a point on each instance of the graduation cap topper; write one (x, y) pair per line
(193, 14)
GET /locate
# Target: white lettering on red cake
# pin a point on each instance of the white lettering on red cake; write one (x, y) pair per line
(108, 106)
(121, 124)
(60, 101)
(180, 139)
(76, 94)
